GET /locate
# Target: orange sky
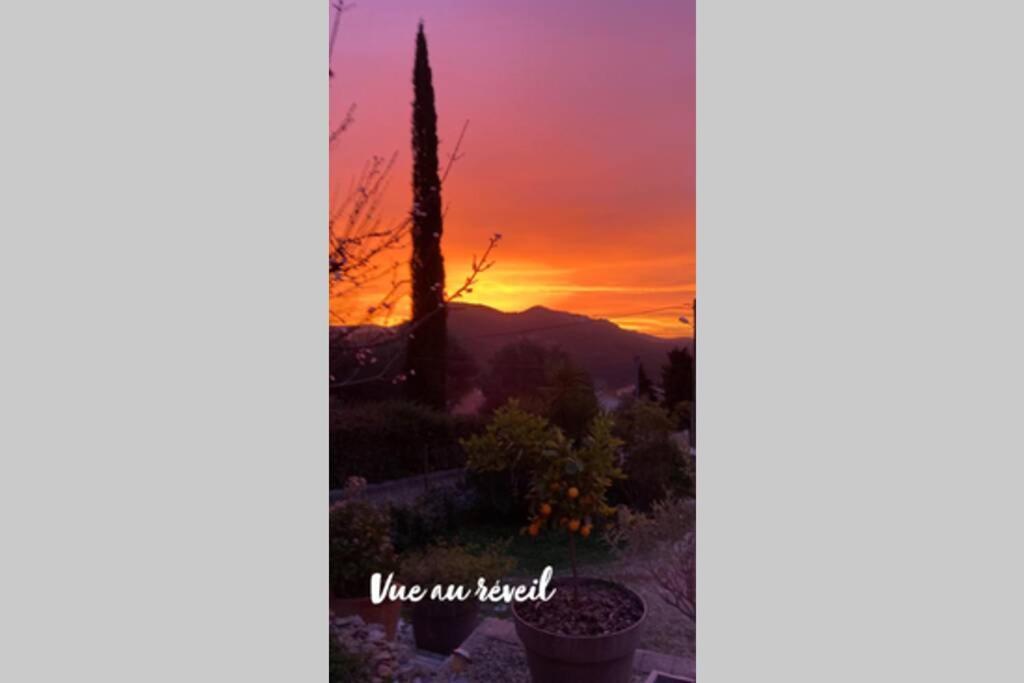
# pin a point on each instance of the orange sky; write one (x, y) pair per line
(579, 150)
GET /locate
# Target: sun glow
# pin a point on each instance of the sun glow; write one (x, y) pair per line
(594, 194)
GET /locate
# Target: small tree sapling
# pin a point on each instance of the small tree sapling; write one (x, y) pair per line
(568, 485)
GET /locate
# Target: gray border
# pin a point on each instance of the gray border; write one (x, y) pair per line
(163, 375)
(858, 238)
(162, 451)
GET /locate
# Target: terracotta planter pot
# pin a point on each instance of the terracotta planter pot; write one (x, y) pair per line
(442, 626)
(386, 613)
(555, 658)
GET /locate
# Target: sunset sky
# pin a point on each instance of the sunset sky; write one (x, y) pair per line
(579, 150)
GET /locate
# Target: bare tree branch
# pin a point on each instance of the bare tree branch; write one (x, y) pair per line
(359, 240)
(455, 156)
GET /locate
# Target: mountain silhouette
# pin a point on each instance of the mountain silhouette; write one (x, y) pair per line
(605, 350)
(602, 348)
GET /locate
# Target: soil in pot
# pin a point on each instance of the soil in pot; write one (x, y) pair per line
(442, 626)
(601, 608)
(587, 639)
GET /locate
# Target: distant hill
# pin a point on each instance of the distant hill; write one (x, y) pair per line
(604, 349)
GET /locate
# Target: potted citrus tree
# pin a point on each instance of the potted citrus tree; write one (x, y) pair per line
(361, 545)
(442, 625)
(589, 630)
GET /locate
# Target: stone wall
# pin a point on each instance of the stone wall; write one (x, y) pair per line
(407, 490)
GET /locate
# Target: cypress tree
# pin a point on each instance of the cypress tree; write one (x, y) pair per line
(425, 357)
(677, 377)
(644, 385)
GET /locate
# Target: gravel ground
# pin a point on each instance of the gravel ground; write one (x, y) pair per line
(496, 661)
(667, 630)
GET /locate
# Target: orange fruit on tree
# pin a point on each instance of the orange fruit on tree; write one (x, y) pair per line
(574, 525)
(534, 529)
(573, 492)
(585, 531)
(545, 509)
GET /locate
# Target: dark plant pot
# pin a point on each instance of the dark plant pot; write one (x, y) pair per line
(442, 626)
(386, 613)
(662, 677)
(555, 658)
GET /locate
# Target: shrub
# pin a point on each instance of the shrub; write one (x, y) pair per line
(654, 465)
(431, 517)
(663, 545)
(682, 414)
(346, 666)
(654, 471)
(394, 439)
(640, 421)
(456, 565)
(360, 544)
(500, 459)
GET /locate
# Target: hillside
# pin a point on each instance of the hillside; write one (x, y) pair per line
(604, 349)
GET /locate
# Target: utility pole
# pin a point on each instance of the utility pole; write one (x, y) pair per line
(693, 410)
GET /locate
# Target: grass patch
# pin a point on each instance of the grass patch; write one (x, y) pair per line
(533, 554)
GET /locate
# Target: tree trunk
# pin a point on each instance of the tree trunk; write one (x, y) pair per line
(572, 560)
